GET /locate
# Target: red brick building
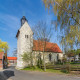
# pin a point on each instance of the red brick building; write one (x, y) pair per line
(3, 60)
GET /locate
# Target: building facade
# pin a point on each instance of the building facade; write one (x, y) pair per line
(26, 43)
(12, 61)
(3, 60)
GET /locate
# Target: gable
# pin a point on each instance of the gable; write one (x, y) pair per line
(24, 28)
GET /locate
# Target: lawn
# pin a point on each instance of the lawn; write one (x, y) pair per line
(41, 70)
(65, 68)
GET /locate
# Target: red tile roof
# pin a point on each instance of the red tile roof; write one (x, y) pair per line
(12, 58)
(1, 55)
(50, 47)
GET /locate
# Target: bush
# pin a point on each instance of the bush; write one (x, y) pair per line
(49, 63)
(64, 71)
(39, 63)
(66, 68)
(76, 62)
(59, 62)
(26, 57)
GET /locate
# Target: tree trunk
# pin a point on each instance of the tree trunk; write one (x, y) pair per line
(31, 60)
(31, 51)
(44, 62)
(43, 56)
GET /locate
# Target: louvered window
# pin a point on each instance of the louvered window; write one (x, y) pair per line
(26, 36)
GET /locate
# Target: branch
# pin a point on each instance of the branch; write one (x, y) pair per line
(66, 11)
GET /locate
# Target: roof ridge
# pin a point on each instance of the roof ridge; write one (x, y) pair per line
(47, 42)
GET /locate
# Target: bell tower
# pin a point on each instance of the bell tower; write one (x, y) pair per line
(24, 42)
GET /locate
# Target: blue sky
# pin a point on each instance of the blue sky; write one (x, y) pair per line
(11, 11)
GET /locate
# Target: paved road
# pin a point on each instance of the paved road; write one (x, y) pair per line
(13, 74)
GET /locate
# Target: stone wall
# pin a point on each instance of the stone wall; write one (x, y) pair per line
(54, 57)
(24, 43)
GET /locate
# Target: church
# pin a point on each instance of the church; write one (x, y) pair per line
(26, 43)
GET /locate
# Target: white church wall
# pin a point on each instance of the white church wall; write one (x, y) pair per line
(24, 44)
(46, 55)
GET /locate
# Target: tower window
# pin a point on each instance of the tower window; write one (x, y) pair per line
(26, 36)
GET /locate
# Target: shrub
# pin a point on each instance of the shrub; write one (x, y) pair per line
(26, 57)
(39, 63)
(66, 68)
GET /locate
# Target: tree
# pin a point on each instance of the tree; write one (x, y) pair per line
(26, 57)
(68, 18)
(4, 46)
(43, 34)
(1, 50)
(15, 52)
(78, 51)
(73, 53)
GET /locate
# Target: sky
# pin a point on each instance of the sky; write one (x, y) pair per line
(11, 12)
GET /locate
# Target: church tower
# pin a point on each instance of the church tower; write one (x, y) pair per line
(24, 41)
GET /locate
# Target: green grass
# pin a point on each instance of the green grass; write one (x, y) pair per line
(41, 70)
(32, 69)
(54, 71)
(51, 70)
(74, 63)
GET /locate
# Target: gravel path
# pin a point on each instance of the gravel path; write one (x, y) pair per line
(13, 74)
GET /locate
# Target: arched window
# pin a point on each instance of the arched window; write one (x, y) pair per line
(79, 54)
(50, 57)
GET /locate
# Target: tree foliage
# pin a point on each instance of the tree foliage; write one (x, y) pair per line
(15, 52)
(68, 18)
(4, 46)
(1, 50)
(26, 57)
(73, 52)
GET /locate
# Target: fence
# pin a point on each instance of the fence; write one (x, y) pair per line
(63, 67)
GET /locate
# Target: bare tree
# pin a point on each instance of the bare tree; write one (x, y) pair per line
(15, 52)
(31, 55)
(42, 33)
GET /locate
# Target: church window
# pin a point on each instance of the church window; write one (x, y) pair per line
(26, 36)
(79, 54)
(50, 57)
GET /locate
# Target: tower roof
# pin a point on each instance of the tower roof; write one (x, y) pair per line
(24, 18)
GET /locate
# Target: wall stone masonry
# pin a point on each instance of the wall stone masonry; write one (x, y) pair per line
(25, 43)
